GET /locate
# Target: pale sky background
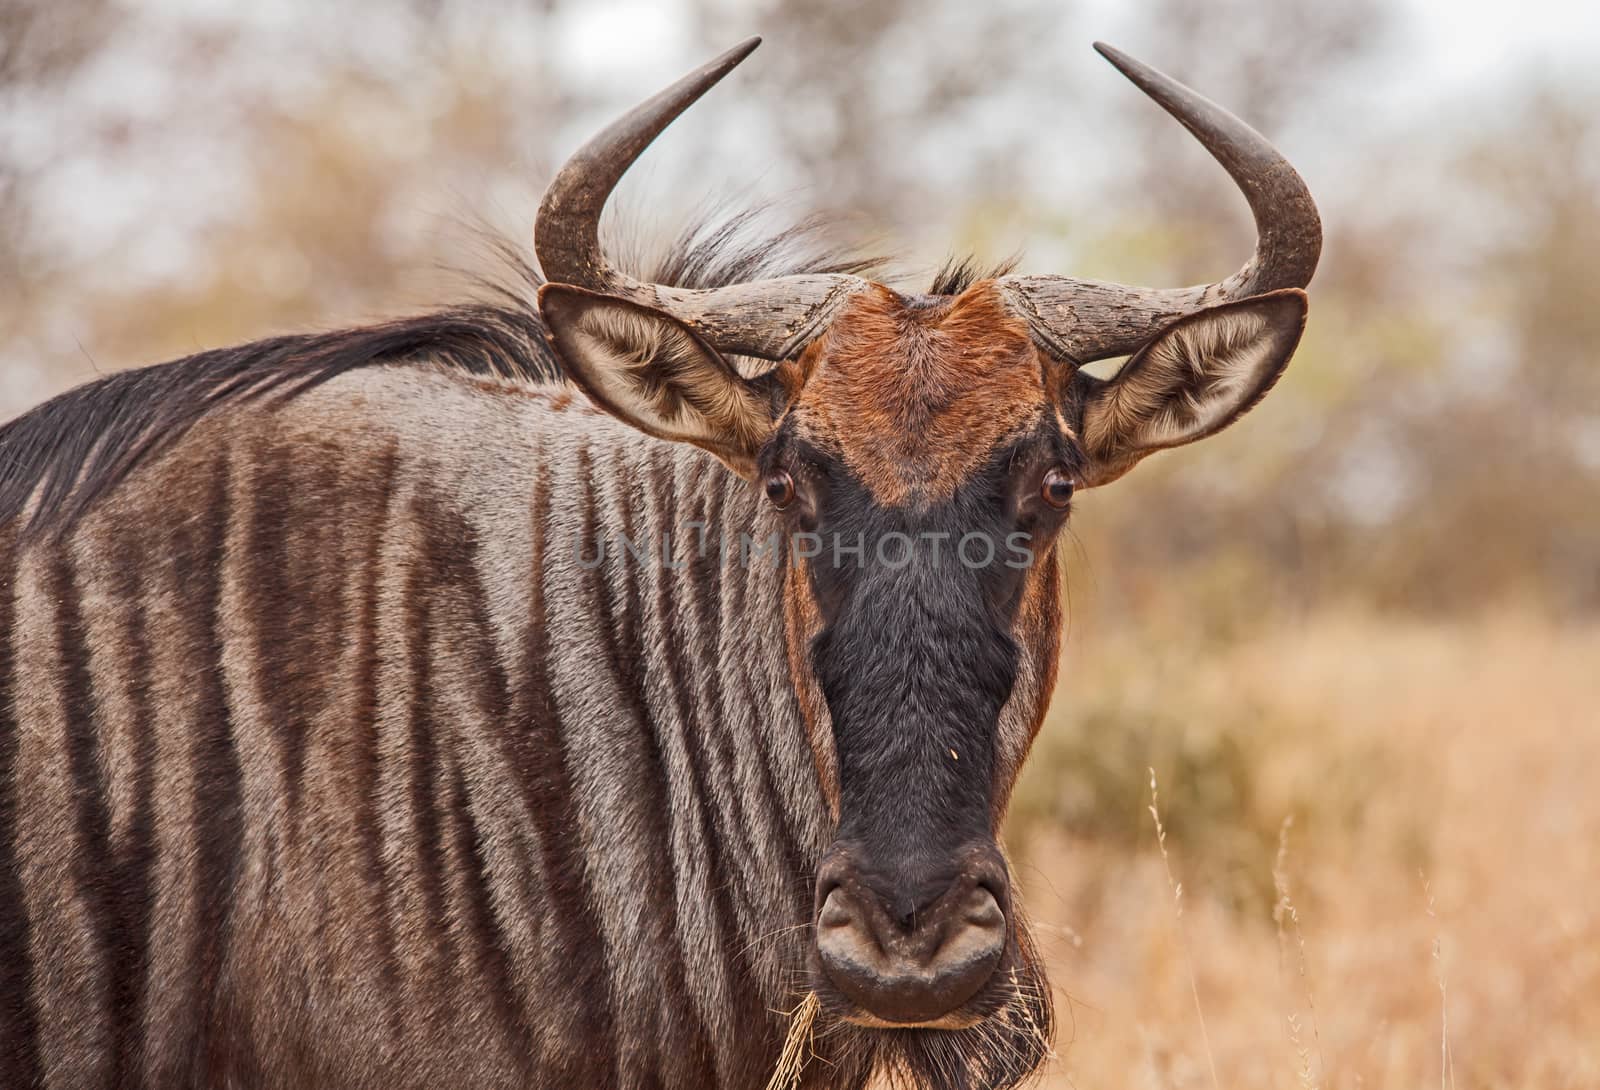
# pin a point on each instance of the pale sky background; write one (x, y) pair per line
(1462, 41)
(1457, 41)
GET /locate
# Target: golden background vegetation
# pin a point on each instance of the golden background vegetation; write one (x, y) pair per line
(1354, 639)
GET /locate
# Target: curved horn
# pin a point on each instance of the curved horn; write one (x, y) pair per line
(770, 318)
(1083, 320)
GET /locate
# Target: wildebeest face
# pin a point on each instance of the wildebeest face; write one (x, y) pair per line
(924, 467)
(922, 453)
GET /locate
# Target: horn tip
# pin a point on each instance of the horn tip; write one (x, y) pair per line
(1119, 60)
(742, 50)
(715, 69)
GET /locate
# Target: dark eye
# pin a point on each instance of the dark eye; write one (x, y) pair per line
(1056, 489)
(780, 489)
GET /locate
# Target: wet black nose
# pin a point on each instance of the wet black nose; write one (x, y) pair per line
(901, 955)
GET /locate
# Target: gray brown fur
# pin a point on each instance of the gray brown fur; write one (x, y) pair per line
(300, 794)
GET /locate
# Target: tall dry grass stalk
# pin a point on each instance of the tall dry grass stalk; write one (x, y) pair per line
(1284, 910)
(797, 1046)
(1447, 1069)
(1183, 940)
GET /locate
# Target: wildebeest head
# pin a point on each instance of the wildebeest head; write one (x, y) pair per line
(923, 452)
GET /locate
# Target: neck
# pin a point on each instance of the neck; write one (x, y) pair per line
(655, 664)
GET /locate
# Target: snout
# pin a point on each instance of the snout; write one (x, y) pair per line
(911, 954)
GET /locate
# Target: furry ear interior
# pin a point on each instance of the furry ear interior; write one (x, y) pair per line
(1196, 377)
(650, 370)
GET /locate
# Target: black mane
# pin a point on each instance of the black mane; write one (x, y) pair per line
(958, 273)
(84, 442)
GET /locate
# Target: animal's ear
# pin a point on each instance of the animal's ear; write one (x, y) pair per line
(1196, 377)
(650, 370)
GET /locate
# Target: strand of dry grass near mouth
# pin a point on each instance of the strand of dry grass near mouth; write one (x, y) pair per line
(1030, 1024)
(1447, 1064)
(797, 1045)
(1183, 940)
(1284, 910)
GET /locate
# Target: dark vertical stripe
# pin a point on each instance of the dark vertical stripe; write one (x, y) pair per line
(19, 1046)
(423, 748)
(292, 553)
(92, 865)
(456, 589)
(198, 552)
(493, 966)
(268, 593)
(619, 621)
(135, 862)
(365, 743)
(576, 947)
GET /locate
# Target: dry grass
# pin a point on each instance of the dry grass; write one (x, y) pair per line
(791, 1064)
(1465, 753)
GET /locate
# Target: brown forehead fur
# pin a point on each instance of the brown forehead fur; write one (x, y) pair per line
(915, 398)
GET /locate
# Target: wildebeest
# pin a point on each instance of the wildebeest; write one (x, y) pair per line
(554, 696)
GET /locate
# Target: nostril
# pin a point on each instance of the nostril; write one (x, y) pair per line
(977, 923)
(836, 913)
(992, 879)
(833, 876)
(983, 910)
